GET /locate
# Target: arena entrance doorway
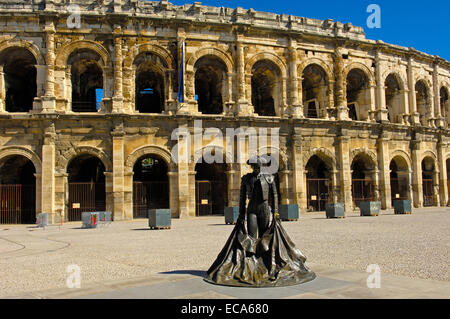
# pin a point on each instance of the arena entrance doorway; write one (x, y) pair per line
(318, 183)
(211, 188)
(17, 190)
(150, 185)
(86, 186)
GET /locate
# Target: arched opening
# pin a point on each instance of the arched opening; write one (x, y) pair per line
(86, 177)
(150, 89)
(19, 67)
(87, 80)
(318, 182)
(399, 177)
(209, 84)
(265, 88)
(314, 87)
(150, 185)
(363, 187)
(211, 188)
(447, 164)
(17, 190)
(429, 182)
(423, 102)
(444, 103)
(358, 95)
(394, 103)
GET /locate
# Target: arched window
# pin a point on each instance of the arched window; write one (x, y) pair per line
(265, 88)
(358, 95)
(87, 80)
(444, 103)
(394, 102)
(209, 84)
(150, 88)
(20, 79)
(423, 102)
(314, 87)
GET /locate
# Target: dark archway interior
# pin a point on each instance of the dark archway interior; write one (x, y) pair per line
(399, 179)
(427, 181)
(211, 186)
(357, 82)
(362, 184)
(87, 78)
(314, 79)
(209, 78)
(392, 90)
(87, 191)
(150, 185)
(17, 190)
(443, 98)
(264, 83)
(20, 79)
(318, 183)
(149, 88)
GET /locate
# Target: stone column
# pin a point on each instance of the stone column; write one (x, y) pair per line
(443, 175)
(109, 192)
(49, 100)
(299, 191)
(182, 107)
(335, 189)
(283, 100)
(330, 107)
(284, 186)
(230, 188)
(117, 99)
(61, 196)
(168, 103)
(412, 94)
(48, 175)
(417, 186)
(381, 110)
(385, 177)
(118, 174)
(404, 97)
(68, 88)
(341, 100)
(173, 194)
(128, 192)
(440, 120)
(2, 89)
(295, 110)
(345, 178)
(243, 104)
(436, 191)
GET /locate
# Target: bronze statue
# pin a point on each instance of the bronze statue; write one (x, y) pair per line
(261, 255)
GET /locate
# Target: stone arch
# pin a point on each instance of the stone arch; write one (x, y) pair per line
(163, 53)
(227, 156)
(402, 154)
(63, 54)
(366, 154)
(216, 52)
(430, 154)
(399, 76)
(319, 62)
(360, 66)
(70, 154)
(25, 152)
(147, 150)
(266, 56)
(324, 154)
(34, 50)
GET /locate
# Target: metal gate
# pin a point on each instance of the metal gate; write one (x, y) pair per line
(149, 195)
(84, 197)
(428, 192)
(399, 189)
(203, 198)
(362, 190)
(318, 190)
(17, 204)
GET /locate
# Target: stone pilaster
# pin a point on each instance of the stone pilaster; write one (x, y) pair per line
(117, 100)
(49, 100)
(381, 110)
(345, 178)
(414, 119)
(385, 177)
(440, 120)
(443, 196)
(243, 107)
(417, 186)
(173, 194)
(341, 100)
(296, 107)
(48, 175)
(118, 174)
(299, 186)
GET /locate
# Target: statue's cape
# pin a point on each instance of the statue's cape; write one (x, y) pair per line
(271, 261)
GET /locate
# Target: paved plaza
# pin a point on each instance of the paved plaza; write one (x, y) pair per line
(128, 260)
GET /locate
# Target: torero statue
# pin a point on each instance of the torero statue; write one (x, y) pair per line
(261, 255)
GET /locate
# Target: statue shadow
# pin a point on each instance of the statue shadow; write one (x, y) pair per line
(198, 273)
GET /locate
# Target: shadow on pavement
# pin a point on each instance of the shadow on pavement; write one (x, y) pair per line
(199, 273)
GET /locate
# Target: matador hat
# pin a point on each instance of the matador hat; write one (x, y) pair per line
(259, 161)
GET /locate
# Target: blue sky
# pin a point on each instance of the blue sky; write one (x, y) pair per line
(423, 25)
